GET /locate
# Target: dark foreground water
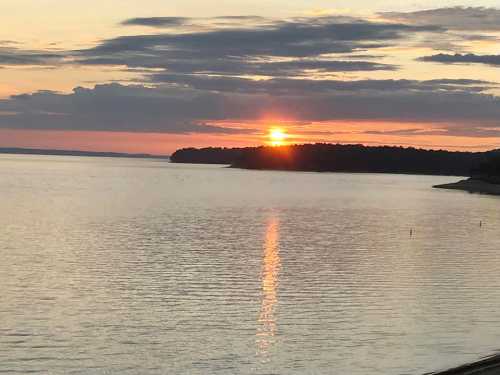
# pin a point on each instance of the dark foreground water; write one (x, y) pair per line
(119, 266)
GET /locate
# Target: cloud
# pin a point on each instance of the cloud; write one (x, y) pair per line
(115, 107)
(242, 67)
(181, 110)
(200, 73)
(289, 40)
(236, 46)
(303, 87)
(456, 18)
(444, 130)
(156, 21)
(207, 22)
(463, 26)
(270, 48)
(10, 55)
(469, 58)
(397, 106)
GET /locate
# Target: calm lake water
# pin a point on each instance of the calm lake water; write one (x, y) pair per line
(122, 266)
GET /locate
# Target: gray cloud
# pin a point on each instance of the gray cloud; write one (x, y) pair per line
(208, 22)
(452, 42)
(250, 46)
(114, 107)
(239, 67)
(456, 130)
(156, 21)
(303, 87)
(273, 48)
(15, 56)
(175, 109)
(457, 18)
(462, 25)
(469, 58)
(288, 40)
(400, 106)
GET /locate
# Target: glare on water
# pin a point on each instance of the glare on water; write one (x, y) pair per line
(270, 277)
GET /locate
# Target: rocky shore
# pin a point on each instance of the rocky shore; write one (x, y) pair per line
(487, 366)
(473, 186)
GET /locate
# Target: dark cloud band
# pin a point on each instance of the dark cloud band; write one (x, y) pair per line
(181, 110)
(469, 58)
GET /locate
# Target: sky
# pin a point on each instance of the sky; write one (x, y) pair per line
(154, 75)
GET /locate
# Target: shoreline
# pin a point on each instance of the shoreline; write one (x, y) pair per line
(487, 366)
(397, 173)
(472, 186)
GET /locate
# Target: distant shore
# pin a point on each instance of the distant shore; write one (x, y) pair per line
(472, 186)
(487, 366)
(33, 151)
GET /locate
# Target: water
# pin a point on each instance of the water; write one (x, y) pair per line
(122, 266)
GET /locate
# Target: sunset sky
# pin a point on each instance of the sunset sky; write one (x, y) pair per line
(155, 75)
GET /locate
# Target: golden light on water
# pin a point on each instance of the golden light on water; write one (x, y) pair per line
(277, 136)
(271, 265)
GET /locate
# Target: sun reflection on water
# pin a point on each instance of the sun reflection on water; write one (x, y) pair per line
(271, 265)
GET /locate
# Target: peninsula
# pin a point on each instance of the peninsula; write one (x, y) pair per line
(485, 179)
(324, 157)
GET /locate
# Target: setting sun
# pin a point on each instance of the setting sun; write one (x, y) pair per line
(277, 136)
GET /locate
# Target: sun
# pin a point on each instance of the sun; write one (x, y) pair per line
(277, 136)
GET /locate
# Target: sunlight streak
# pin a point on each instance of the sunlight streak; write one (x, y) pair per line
(271, 266)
